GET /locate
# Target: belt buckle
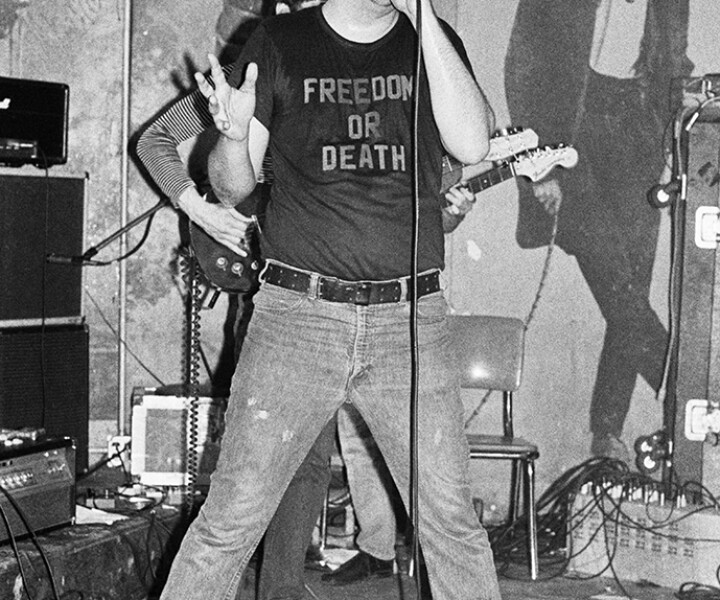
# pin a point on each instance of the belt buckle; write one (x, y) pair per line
(363, 291)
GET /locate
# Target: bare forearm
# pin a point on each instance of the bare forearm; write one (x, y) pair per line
(463, 115)
(230, 170)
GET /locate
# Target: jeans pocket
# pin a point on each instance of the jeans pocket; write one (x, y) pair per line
(432, 308)
(272, 299)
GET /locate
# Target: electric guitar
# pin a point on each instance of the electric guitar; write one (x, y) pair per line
(534, 164)
(233, 273)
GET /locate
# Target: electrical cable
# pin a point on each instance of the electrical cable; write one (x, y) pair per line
(533, 307)
(545, 270)
(128, 254)
(31, 532)
(675, 268)
(698, 591)
(414, 385)
(13, 544)
(122, 341)
(108, 459)
(194, 302)
(608, 484)
(43, 290)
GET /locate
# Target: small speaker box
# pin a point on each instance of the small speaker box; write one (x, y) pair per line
(39, 479)
(34, 122)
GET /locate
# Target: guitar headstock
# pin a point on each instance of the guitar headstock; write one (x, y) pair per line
(536, 164)
(511, 142)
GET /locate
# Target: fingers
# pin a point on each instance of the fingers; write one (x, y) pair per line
(467, 194)
(230, 108)
(215, 69)
(203, 85)
(461, 200)
(239, 218)
(218, 77)
(237, 247)
(251, 74)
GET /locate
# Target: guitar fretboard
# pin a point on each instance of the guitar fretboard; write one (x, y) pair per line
(492, 177)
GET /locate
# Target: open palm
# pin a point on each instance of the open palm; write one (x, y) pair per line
(231, 108)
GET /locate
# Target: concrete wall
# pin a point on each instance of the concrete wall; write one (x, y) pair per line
(81, 42)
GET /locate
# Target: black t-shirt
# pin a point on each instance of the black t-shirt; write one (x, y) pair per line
(339, 115)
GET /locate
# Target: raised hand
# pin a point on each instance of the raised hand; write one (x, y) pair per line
(232, 109)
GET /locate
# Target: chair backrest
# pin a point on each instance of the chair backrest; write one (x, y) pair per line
(491, 350)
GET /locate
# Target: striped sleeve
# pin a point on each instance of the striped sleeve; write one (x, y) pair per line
(157, 146)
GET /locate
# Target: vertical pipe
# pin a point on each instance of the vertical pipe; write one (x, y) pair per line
(123, 400)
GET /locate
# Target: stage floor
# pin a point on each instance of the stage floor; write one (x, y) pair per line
(513, 586)
(127, 560)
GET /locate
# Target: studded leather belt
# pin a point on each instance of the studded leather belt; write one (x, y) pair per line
(353, 292)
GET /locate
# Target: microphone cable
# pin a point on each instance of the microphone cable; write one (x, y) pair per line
(415, 366)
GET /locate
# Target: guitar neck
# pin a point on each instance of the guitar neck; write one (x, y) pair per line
(490, 178)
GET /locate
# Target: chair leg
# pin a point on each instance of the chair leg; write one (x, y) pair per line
(516, 481)
(532, 532)
(324, 522)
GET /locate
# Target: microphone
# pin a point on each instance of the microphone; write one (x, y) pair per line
(61, 259)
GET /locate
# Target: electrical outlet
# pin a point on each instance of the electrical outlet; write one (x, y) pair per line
(119, 451)
(701, 417)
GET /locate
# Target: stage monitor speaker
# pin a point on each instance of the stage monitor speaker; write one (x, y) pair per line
(696, 364)
(44, 382)
(39, 216)
(33, 122)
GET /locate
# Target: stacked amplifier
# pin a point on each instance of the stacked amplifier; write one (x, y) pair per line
(43, 336)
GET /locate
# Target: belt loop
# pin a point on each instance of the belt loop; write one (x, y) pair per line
(403, 289)
(261, 275)
(313, 285)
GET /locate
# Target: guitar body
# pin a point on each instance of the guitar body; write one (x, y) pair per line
(226, 270)
(223, 268)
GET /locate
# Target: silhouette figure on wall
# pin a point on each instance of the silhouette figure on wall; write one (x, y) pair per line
(597, 74)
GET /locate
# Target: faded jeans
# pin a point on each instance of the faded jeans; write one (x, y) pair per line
(282, 574)
(302, 359)
(370, 485)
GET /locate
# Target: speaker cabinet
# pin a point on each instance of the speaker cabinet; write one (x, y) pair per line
(44, 382)
(696, 365)
(40, 216)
